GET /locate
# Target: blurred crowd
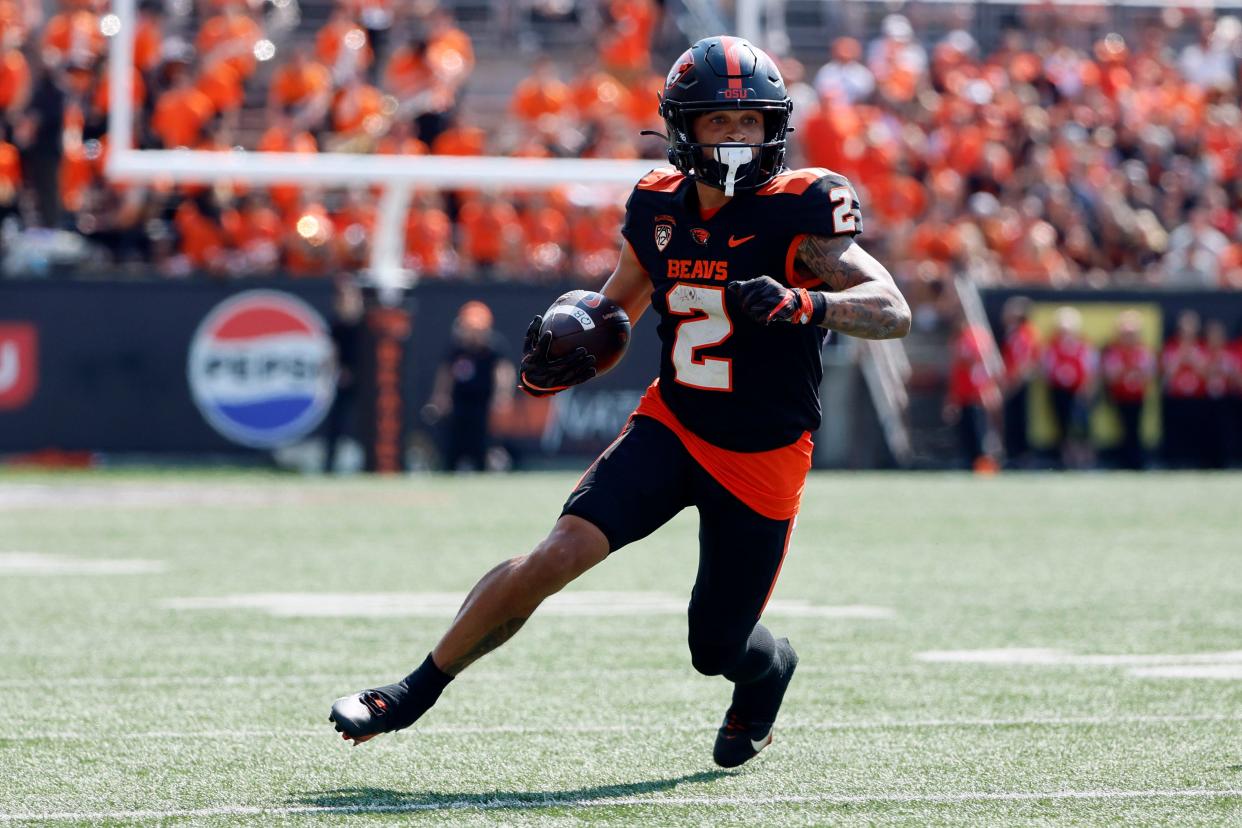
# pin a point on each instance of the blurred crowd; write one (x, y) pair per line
(374, 78)
(1195, 375)
(1036, 163)
(1028, 161)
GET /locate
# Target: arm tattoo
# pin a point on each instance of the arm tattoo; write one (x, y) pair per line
(862, 298)
(490, 641)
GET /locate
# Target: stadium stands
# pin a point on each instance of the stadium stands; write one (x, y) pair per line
(1023, 160)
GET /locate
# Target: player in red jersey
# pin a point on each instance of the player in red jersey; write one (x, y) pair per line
(1021, 353)
(1221, 375)
(1129, 366)
(1183, 373)
(748, 267)
(1070, 364)
(973, 401)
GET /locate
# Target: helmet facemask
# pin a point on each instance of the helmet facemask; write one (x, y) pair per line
(725, 73)
(722, 165)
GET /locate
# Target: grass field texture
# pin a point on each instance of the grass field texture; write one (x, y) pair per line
(1020, 650)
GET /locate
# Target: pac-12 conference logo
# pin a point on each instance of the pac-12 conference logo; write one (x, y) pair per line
(261, 368)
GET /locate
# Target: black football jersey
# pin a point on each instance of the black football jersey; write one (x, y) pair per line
(736, 383)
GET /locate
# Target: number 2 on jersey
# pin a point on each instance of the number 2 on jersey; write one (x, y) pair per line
(842, 216)
(711, 328)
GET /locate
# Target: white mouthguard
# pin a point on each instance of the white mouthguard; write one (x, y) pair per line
(732, 156)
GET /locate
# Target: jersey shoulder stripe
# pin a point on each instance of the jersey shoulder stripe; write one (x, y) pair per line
(793, 182)
(661, 180)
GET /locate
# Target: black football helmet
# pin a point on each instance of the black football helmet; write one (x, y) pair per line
(717, 73)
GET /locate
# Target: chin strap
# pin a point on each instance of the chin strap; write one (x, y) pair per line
(734, 157)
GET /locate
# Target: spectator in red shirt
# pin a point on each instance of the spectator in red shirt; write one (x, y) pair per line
(1221, 375)
(1020, 351)
(1069, 365)
(1183, 367)
(974, 399)
(1129, 366)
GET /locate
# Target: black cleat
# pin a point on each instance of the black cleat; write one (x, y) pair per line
(742, 736)
(365, 715)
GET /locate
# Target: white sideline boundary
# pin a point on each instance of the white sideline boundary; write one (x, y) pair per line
(451, 730)
(552, 801)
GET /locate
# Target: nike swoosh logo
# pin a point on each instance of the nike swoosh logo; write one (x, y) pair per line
(760, 744)
(734, 242)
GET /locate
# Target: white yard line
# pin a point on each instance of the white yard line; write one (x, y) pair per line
(553, 801)
(579, 675)
(644, 727)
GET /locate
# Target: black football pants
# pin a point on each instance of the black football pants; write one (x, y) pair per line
(637, 485)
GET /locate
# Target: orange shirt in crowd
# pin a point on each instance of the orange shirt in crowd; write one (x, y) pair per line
(428, 239)
(536, 97)
(14, 79)
(293, 85)
(545, 232)
(627, 43)
(593, 235)
(201, 240)
(358, 107)
(234, 35)
(450, 54)
(252, 227)
(934, 239)
(10, 172)
(148, 43)
(221, 83)
(73, 36)
(180, 115)
(460, 140)
(355, 227)
(486, 229)
(828, 132)
(598, 95)
(404, 145)
(76, 174)
(896, 198)
(642, 95)
(278, 139)
(342, 40)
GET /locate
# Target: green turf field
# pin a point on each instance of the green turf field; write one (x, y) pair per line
(1039, 649)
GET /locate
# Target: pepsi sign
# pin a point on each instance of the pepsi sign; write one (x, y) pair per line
(261, 368)
(19, 361)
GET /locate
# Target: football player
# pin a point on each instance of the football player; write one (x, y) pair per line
(748, 266)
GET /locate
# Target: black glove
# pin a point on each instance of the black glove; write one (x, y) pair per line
(766, 300)
(541, 375)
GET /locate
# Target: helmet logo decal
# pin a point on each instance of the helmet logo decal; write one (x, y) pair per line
(680, 69)
(700, 235)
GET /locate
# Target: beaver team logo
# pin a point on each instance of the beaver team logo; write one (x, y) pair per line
(261, 368)
(700, 235)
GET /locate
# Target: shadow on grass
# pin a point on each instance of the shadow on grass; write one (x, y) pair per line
(382, 799)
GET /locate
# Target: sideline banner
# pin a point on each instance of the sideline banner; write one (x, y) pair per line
(185, 368)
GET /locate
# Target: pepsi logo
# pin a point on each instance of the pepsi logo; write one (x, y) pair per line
(261, 368)
(19, 351)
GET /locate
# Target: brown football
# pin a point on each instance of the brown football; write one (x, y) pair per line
(586, 319)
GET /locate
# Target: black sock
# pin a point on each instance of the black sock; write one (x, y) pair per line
(428, 675)
(416, 693)
(759, 659)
